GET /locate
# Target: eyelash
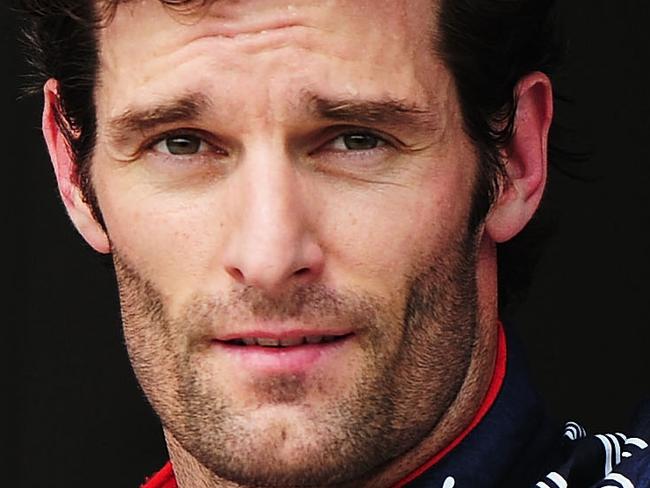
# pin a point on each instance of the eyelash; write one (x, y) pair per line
(383, 142)
(181, 133)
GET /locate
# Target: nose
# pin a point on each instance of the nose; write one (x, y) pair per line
(273, 242)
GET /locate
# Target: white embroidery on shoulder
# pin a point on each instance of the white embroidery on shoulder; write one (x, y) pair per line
(638, 442)
(574, 431)
(450, 482)
(553, 477)
(620, 479)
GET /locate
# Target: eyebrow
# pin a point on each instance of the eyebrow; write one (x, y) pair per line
(184, 108)
(389, 112)
(192, 106)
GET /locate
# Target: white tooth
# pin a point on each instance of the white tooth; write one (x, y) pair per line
(314, 339)
(249, 341)
(265, 341)
(291, 342)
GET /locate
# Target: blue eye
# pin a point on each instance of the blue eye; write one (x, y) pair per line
(357, 141)
(181, 145)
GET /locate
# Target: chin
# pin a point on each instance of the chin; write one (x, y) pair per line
(287, 451)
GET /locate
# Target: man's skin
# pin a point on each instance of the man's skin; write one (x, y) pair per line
(322, 185)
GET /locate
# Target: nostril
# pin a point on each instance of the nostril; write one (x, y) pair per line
(302, 272)
(236, 274)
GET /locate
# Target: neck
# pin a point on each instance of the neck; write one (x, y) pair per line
(459, 418)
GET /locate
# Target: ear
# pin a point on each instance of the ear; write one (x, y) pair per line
(526, 159)
(66, 173)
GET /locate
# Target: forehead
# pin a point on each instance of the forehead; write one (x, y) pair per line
(232, 18)
(371, 48)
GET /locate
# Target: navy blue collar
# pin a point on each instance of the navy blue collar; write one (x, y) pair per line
(517, 445)
(509, 447)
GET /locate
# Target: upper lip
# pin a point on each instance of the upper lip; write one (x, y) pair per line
(280, 334)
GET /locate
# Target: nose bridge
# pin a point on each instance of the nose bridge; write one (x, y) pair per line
(272, 215)
(271, 242)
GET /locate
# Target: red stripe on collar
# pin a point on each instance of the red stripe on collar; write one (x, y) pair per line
(490, 397)
(162, 479)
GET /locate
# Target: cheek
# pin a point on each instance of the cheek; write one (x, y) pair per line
(173, 239)
(375, 238)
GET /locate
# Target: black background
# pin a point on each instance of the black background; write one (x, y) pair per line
(75, 414)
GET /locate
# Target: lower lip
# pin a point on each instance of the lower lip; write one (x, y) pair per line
(294, 359)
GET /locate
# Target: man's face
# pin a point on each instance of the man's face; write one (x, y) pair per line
(287, 190)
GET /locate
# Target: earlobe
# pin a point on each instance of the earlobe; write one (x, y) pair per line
(66, 173)
(526, 159)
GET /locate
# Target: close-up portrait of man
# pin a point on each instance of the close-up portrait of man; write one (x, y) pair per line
(304, 204)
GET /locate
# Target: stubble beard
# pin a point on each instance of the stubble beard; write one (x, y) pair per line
(415, 363)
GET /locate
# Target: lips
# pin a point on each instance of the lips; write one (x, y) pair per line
(284, 342)
(263, 352)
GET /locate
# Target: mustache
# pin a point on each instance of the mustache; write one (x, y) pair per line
(299, 301)
(204, 314)
(316, 305)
